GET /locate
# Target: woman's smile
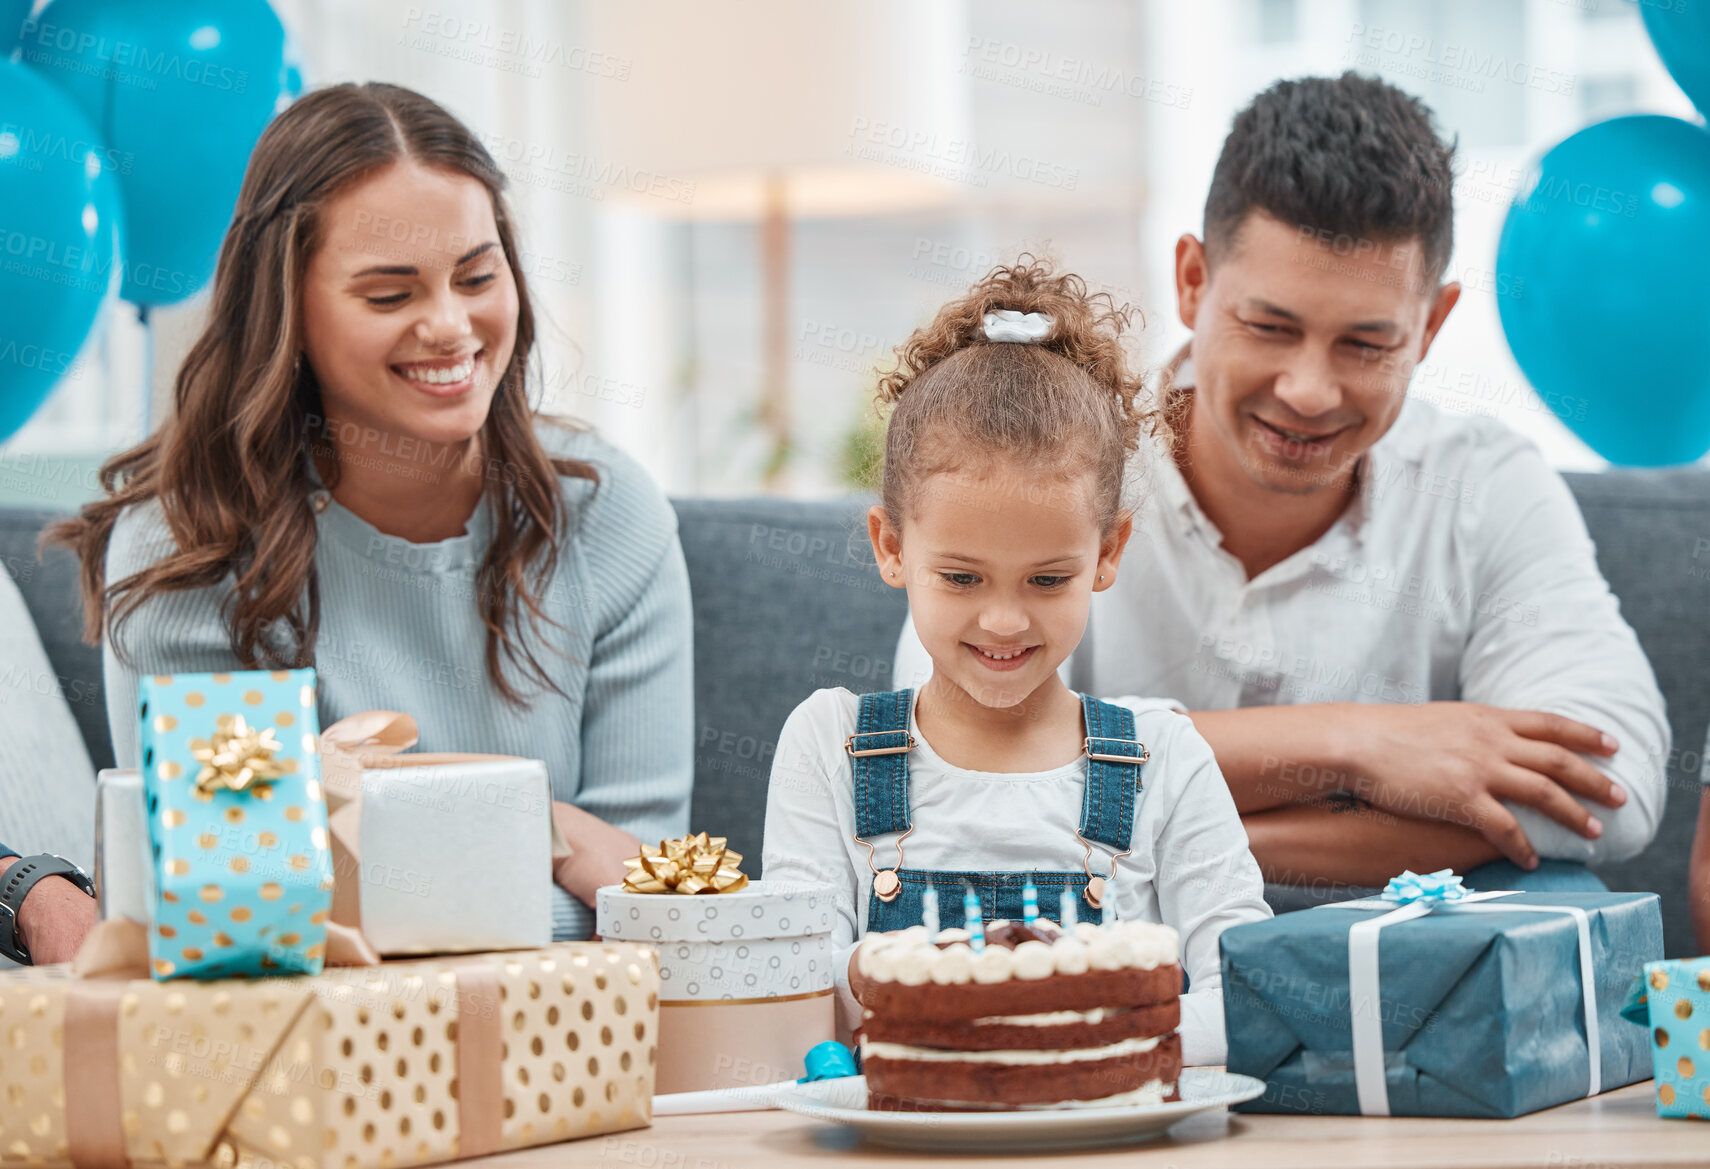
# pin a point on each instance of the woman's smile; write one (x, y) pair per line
(443, 377)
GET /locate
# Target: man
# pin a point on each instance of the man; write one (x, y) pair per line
(1387, 621)
(46, 913)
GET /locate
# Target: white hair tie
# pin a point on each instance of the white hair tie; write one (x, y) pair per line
(1006, 324)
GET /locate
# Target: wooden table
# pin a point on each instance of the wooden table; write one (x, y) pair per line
(1619, 1128)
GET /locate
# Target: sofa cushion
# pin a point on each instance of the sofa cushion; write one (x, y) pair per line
(47, 786)
(50, 588)
(1652, 531)
(787, 601)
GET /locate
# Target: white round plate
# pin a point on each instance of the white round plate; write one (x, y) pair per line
(844, 1101)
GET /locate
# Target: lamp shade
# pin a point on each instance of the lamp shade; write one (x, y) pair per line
(722, 102)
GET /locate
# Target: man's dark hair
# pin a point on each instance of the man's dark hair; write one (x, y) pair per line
(1351, 155)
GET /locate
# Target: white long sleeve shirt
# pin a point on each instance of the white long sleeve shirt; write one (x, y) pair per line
(1189, 868)
(1461, 571)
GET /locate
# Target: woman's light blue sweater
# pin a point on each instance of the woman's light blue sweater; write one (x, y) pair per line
(400, 630)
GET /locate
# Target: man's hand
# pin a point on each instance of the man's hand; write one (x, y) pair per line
(54, 918)
(1458, 761)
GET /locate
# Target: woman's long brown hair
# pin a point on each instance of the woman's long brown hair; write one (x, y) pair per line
(231, 467)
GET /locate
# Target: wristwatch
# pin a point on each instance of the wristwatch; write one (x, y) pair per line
(15, 885)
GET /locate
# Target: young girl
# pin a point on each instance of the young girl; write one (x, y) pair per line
(1001, 513)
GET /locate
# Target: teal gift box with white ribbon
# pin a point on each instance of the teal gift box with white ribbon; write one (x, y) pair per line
(237, 823)
(1434, 1000)
(1671, 999)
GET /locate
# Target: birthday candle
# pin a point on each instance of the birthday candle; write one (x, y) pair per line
(971, 918)
(1108, 901)
(929, 912)
(1029, 903)
(1067, 913)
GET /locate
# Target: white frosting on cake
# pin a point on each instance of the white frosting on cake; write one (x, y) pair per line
(1034, 960)
(994, 964)
(1041, 1056)
(876, 962)
(1046, 1018)
(908, 957)
(1151, 1092)
(1110, 951)
(954, 965)
(1070, 954)
(914, 965)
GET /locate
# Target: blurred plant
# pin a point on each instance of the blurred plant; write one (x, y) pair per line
(861, 450)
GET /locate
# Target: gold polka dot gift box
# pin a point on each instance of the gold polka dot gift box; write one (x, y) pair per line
(237, 824)
(1672, 998)
(406, 1063)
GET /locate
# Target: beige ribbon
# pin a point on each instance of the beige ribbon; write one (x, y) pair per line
(480, 1062)
(95, 1135)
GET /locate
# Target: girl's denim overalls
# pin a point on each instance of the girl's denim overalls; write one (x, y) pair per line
(879, 760)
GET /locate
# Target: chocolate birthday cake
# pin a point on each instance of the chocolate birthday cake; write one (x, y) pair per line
(1039, 1018)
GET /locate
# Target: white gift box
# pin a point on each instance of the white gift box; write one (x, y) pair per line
(454, 857)
(746, 978)
(124, 870)
(436, 858)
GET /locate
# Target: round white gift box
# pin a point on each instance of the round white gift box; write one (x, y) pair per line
(746, 978)
(770, 939)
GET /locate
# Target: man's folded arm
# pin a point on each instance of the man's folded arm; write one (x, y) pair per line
(1549, 636)
(1340, 846)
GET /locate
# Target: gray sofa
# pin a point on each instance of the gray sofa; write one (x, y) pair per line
(787, 601)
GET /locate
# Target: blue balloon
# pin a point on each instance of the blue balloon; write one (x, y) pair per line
(1603, 278)
(1680, 29)
(13, 13)
(59, 217)
(180, 89)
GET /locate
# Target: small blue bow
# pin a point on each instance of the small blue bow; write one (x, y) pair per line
(829, 1061)
(1441, 885)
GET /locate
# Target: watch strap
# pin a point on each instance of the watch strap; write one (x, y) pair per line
(15, 885)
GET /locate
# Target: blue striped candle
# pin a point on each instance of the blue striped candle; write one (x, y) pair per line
(1067, 915)
(972, 919)
(1029, 903)
(929, 912)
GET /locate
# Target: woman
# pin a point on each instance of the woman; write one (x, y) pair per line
(354, 479)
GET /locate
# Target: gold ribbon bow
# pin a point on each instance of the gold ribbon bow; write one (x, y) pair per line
(690, 864)
(237, 758)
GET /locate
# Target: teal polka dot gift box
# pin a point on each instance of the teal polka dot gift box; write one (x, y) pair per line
(1672, 997)
(242, 875)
